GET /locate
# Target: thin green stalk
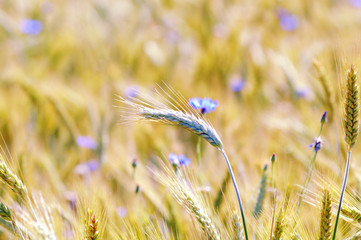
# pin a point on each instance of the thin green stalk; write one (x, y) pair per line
(307, 181)
(237, 192)
(272, 182)
(342, 192)
(199, 151)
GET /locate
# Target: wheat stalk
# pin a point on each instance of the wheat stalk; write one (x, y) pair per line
(352, 108)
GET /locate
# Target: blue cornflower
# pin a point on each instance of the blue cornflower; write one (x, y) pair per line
(206, 105)
(236, 84)
(31, 26)
(355, 3)
(179, 160)
(317, 144)
(87, 167)
(86, 142)
(287, 21)
(131, 91)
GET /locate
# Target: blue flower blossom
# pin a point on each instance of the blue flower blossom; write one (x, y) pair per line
(86, 142)
(236, 84)
(317, 144)
(122, 212)
(355, 3)
(87, 167)
(131, 92)
(31, 26)
(179, 160)
(287, 21)
(206, 105)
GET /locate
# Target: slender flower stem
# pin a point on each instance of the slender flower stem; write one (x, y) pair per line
(307, 180)
(237, 192)
(342, 192)
(273, 183)
(310, 168)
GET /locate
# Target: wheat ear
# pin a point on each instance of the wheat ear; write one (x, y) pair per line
(181, 192)
(222, 191)
(279, 226)
(352, 213)
(328, 100)
(262, 193)
(6, 215)
(236, 223)
(91, 226)
(326, 214)
(12, 180)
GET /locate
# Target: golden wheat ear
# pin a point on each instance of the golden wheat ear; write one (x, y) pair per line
(352, 108)
(326, 214)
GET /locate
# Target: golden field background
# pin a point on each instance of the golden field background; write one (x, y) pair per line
(63, 82)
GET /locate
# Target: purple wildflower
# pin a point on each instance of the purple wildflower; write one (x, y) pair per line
(355, 3)
(206, 105)
(86, 142)
(303, 93)
(179, 160)
(287, 21)
(236, 84)
(86, 168)
(317, 144)
(131, 92)
(31, 26)
(122, 212)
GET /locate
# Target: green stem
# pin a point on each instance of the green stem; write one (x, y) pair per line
(237, 192)
(342, 192)
(273, 183)
(307, 180)
(199, 151)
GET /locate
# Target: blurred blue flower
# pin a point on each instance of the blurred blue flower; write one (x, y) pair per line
(317, 144)
(86, 142)
(122, 211)
(236, 84)
(87, 167)
(287, 21)
(206, 105)
(179, 160)
(355, 3)
(31, 26)
(131, 91)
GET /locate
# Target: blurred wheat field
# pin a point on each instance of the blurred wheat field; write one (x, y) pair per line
(85, 153)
